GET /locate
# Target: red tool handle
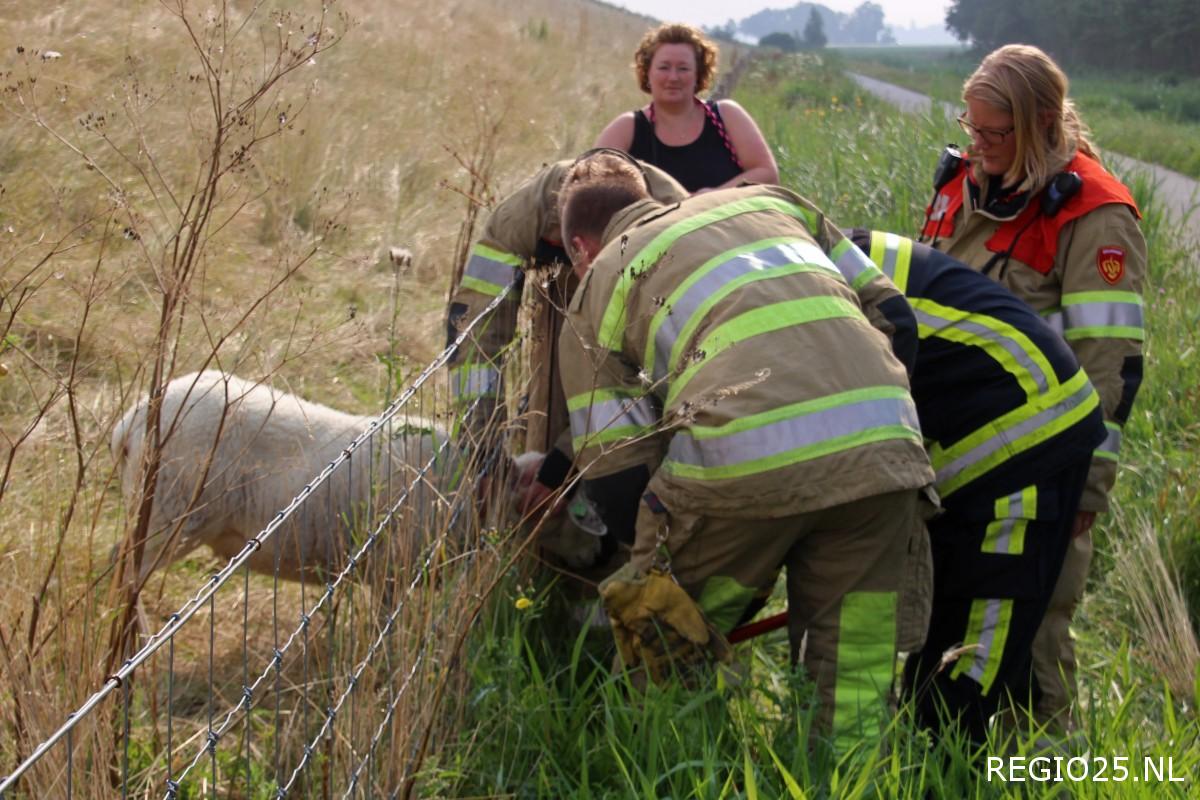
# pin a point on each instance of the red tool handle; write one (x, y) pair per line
(750, 630)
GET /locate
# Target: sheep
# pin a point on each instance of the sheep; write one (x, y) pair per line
(255, 448)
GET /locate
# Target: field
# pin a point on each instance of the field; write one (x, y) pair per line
(183, 187)
(1166, 107)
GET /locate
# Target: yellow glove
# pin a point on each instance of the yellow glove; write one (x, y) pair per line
(656, 623)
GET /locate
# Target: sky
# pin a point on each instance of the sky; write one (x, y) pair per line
(896, 13)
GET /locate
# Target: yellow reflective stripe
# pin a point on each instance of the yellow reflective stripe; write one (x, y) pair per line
(793, 433)
(1006, 345)
(893, 254)
(1012, 434)
(987, 628)
(493, 254)
(612, 324)
(489, 270)
(1005, 535)
(1110, 448)
(759, 321)
(854, 265)
(866, 653)
(1102, 315)
(607, 415)
(672, 325)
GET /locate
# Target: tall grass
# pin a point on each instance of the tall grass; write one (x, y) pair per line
(421, 113)
(383, 147)
(1166, 107)
(547, 718)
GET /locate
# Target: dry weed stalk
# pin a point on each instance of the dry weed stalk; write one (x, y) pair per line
(1143, 570)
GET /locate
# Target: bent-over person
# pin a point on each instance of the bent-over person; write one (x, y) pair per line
(723, 379)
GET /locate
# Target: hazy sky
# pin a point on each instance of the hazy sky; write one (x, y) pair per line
(897, 13)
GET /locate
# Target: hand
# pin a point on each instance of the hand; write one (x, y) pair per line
(1083, 523)
(536, 495)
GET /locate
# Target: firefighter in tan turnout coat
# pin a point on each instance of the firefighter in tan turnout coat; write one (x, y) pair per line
(519, 236)
(722, 377)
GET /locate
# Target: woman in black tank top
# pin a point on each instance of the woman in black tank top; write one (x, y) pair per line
(704, 163)
(702, 145)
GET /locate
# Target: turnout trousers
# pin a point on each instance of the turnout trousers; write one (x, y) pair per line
(843, 583)
(995, 566)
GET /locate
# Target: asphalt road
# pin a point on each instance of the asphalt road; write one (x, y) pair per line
(1179, 194)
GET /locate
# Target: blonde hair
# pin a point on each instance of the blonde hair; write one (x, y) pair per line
(676, 33)
(595, 188)
(1023, 81)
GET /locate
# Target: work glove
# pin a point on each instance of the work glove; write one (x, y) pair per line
(656, 624)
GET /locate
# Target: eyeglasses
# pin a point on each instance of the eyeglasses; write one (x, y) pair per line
(988, 135)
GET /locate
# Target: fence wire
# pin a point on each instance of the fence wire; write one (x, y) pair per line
(435, 496)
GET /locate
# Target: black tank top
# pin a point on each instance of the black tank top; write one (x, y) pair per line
(703, 164)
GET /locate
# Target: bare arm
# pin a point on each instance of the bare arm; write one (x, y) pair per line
(618, 134)
(758, 163)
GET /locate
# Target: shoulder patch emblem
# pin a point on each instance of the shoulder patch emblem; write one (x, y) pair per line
(1110, 261)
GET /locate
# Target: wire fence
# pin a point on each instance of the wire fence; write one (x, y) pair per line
(258, 687)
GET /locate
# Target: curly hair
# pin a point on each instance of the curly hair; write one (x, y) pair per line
(676, 33)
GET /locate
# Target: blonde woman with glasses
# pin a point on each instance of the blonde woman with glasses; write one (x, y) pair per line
(1030, 205)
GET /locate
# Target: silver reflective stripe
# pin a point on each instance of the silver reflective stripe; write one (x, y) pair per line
(1055, 320)
(612, 414)
(792, 433)
(891, 244)
(1014, 348)
(1103, 315)
(490, 270)
(1003, 438)
(854, 264)
(470, 382)
(682, 309)
(991, 618)
(1111, 446)
(1016, 511)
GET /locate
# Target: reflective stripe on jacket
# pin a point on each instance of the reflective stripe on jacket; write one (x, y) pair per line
(719, 343)
(1091, 290)
(1002, 399)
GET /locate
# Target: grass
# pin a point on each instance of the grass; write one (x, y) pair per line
(1166, 107)
(415, 106)
(548, 719)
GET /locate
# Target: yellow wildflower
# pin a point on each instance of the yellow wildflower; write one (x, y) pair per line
(523, 603)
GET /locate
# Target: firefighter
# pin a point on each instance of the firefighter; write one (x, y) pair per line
(1031, 207)
(1011, 422)
(737, 459)
(522, 235)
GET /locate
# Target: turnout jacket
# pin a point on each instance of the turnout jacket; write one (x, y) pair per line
(1082, 269)
(1002, 400)
(716, 344)
(521, 234)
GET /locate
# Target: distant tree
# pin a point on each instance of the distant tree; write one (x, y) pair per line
(864, 25)
(727, 32)
(1158, 35)
(784, 41)
(814, 32)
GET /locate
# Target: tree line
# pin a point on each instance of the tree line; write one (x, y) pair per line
(1151, 35)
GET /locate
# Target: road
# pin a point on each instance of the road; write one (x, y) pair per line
(1180, 195)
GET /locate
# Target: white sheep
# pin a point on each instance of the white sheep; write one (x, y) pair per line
(254, 448)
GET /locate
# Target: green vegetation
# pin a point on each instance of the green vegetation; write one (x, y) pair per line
(545, 717)
(1146, 34)
(414, 118)
(1152, 117)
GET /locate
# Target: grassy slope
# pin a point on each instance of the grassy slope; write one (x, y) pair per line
(1167, 108)
(856, 158)
(385, 128)
(411, 86)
